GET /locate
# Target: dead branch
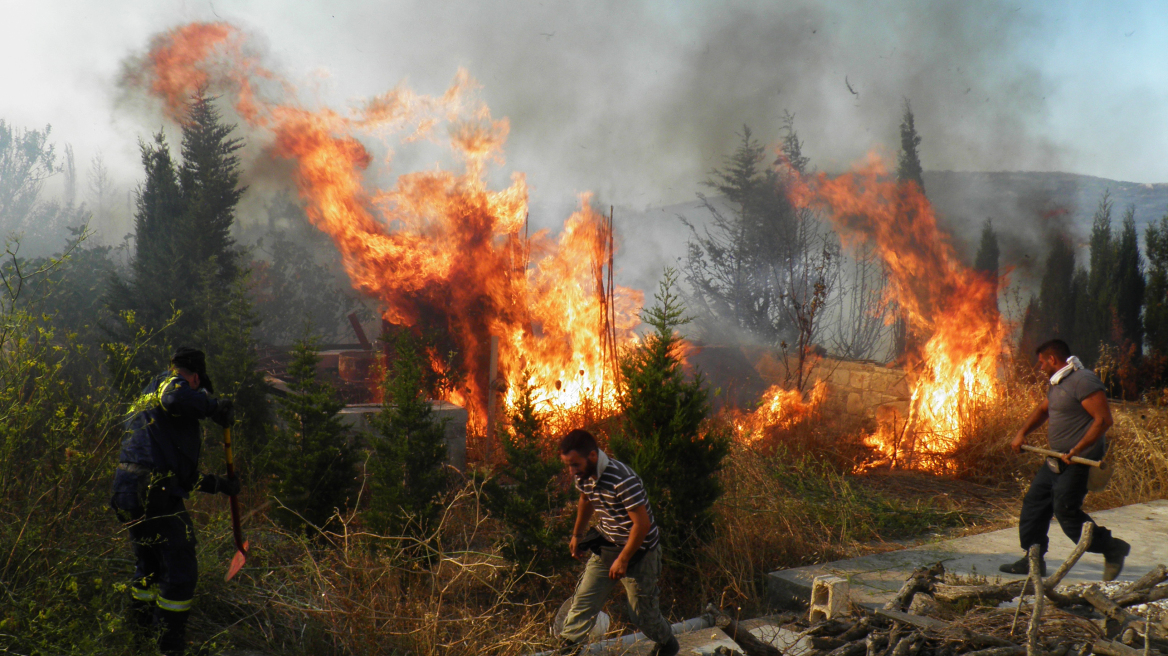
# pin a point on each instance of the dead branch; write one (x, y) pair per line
(921, 580)
(1036, 615)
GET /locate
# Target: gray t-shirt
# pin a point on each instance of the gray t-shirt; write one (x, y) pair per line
(1069, 420)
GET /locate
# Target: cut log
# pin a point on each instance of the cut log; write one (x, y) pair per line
(1105, 605)
(999, 651)
(851, 649)
(876, 642)
(1155, 577)
(857, 632)
(745, 639)
(921, 580)
(1137, 597)
(1115, 648)
(906, 643)
(951, 594)
(826, 643)
(917, 621)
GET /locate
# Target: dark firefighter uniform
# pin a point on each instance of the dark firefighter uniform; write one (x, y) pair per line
(158, 467)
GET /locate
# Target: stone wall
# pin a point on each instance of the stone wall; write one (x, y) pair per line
(864, 388)
(861, 387)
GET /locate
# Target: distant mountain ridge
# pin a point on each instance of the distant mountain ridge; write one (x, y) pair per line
(970, 197)
(1027, 209)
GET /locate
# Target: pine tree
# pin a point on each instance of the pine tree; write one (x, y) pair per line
(747, 267)
(1156, 294)
(315, 464)
(407, 470)
(527, 492)
(987, 259)
(183, 224)
(661, 435)
(209, 179)
(1128, 284)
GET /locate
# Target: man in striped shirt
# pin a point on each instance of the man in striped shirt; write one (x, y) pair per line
(625, 549)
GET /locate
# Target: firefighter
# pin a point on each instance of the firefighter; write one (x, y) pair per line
(158, 467)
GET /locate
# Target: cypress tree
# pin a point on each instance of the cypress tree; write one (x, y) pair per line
(908, 171)
(1056, 305)
(908, 163)
(1156, 294)
(1128, 283)
(661, 435)
(1095, 313)
(987, 258)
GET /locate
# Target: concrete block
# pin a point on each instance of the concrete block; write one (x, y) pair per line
(829, 598)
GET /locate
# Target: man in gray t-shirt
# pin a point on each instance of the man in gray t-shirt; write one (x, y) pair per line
(1076, 405)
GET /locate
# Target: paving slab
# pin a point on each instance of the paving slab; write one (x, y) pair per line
(874, 579)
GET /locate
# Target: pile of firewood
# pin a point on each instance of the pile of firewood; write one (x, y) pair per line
(929, 617)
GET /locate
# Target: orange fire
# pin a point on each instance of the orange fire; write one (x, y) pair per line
(440, 250)
(956, 343)
(781, 409)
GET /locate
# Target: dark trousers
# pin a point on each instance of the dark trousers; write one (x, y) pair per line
(165, 563)
(1059, 496)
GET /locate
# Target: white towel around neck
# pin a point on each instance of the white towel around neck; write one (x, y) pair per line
(1073, 364)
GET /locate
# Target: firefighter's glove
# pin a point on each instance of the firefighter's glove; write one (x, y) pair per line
(225, 414)
(212, 484)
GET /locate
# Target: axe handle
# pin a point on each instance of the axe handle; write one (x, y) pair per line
(1056, 454)
(236, 531)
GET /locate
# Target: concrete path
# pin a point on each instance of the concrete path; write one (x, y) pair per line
(876, 578)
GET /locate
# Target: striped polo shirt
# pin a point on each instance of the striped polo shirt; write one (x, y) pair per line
(613, 492)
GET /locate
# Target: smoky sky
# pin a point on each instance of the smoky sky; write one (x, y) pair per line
(637, 101)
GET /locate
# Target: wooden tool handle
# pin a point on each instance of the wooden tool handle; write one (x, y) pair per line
(1056, 454)
(236, 530)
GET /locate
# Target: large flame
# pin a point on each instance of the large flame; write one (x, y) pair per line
(958, 342)
(780, 409)
(440, 250)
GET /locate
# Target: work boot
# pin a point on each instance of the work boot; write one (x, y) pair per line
(1023, 567)
(1113, 558)
(668, 649)
(173, 640)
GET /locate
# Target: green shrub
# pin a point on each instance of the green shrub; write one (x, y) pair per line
(314, 463)
(661, 435)
(407, 466)
(527, 492)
